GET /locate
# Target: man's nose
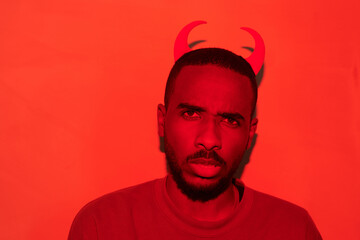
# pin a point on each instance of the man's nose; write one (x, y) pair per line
(208, 136)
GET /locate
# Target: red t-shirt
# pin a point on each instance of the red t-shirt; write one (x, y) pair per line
(145, 211)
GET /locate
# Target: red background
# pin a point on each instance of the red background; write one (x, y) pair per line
(80, 82)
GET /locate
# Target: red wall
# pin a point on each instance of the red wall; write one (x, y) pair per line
(80, 82)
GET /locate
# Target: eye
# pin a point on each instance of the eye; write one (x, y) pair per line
(190, 115)
(231, 122)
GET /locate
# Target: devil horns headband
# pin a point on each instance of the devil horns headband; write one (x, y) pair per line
(256, 59)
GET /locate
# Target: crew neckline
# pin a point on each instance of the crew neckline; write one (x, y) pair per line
(197, 227)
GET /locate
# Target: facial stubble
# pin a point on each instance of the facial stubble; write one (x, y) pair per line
(202, 193)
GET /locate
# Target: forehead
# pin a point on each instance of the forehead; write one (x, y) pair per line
(213, 87)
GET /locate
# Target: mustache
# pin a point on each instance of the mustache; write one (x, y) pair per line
(207, 155)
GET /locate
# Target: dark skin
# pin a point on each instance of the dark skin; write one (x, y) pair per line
(209, 109)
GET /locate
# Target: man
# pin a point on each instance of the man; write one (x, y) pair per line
(207, 125)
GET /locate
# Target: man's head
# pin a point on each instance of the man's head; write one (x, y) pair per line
(207, 120)
(216, 56)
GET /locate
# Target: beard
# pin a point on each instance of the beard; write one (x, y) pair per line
(200, 193)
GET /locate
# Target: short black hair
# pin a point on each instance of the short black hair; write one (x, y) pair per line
(215, 56)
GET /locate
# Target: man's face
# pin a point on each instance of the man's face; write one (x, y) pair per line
(207, 127)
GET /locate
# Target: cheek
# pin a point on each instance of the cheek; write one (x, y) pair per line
(180, 138)
(234, 144)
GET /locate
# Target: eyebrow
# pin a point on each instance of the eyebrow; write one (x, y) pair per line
(191, 107)
(234, 115)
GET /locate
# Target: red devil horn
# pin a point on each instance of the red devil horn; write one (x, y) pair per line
(181, 43)
(256, 59)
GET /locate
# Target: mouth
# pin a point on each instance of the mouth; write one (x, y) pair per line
(205, 161)
(205, 168)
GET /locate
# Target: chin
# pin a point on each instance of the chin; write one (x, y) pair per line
(203, 190)
(199, 181)
(196, 188)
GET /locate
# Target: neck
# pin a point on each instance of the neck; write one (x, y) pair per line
(212, 210)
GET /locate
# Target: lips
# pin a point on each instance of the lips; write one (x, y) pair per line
(205, 168)
(205, 161)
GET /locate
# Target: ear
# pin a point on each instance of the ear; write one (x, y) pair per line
(161, 113)
(253, 126)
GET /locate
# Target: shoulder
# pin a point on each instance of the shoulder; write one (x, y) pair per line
(275, 204)
(276, 208)
(112, 208)
(282, 215)
(119, 199)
